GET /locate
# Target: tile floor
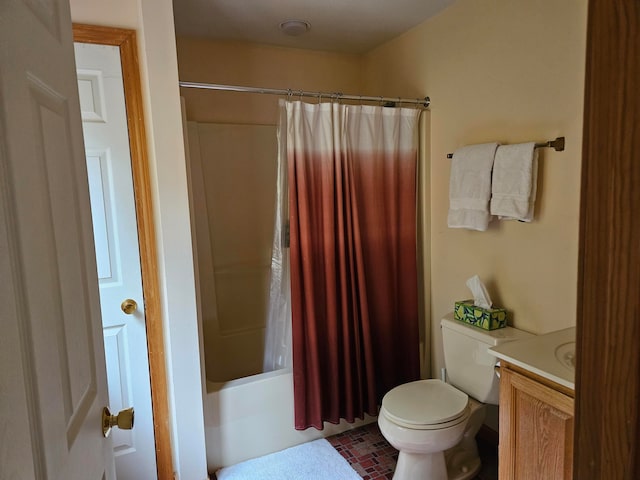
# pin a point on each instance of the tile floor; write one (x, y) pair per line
(374, 459)
(367, 452)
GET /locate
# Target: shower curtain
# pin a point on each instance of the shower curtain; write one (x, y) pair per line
(277, 352)
(352, 200)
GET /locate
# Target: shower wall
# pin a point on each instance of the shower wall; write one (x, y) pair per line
(233, 176)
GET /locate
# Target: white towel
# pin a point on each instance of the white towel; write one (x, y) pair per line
(515, 174)
(470, 187)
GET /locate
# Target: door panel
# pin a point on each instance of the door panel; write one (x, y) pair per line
(116, 346)
(57, 223)
(96, 165)
(53, 357)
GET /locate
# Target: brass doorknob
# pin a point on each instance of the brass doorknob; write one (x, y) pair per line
(129, 306)
(123, 420)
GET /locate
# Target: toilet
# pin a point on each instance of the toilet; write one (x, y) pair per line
(433, 424)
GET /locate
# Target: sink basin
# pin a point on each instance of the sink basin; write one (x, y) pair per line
(566, 355)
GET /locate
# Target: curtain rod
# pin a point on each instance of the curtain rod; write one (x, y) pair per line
(388, 101)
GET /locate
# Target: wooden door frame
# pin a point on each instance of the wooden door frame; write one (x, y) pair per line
(125, 40)
(608, 316)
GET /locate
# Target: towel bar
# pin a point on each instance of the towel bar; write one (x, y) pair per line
(557, 145)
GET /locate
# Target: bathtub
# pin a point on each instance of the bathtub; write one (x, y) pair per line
(253, 416)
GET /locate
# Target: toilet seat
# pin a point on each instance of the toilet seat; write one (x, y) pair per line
(426, 405)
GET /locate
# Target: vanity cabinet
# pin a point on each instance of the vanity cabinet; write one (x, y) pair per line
(536, 427)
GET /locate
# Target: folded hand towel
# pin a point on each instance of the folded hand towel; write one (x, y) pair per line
(515, 174)
(470, 186)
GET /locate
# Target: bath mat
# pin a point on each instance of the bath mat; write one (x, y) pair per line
(316, 460)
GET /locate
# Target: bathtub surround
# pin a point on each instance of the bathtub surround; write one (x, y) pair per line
(233, 165)
(352, 201)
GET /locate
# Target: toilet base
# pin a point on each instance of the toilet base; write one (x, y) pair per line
(421, 465)
(463, 463)
(463, 460)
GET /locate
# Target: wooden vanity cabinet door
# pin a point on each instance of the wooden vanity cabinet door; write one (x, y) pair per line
(536, 430)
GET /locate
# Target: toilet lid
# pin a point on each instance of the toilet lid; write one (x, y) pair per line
(425, 402)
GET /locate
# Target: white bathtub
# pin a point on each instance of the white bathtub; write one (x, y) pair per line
(253, 416)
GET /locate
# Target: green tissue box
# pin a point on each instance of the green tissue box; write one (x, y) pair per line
(487, 319)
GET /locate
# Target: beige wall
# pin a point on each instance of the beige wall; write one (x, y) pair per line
(254, 65)
(508, 71)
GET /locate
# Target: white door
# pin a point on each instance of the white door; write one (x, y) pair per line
(106, 138)
(52, 377)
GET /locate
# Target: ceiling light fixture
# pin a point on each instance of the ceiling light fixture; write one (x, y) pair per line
(295, 27)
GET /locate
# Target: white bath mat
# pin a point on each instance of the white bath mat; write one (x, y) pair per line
(316, 460)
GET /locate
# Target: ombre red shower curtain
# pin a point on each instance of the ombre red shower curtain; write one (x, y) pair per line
(352, 201)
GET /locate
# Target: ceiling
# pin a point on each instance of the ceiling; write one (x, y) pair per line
(348, 26)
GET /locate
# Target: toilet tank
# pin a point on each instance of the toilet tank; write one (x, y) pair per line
(469, 365)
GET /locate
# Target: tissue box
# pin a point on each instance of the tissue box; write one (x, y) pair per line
(487, 319)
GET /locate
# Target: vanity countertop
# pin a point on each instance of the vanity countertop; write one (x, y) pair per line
(550, 355)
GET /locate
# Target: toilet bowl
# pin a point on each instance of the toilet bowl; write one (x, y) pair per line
(433, 424)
